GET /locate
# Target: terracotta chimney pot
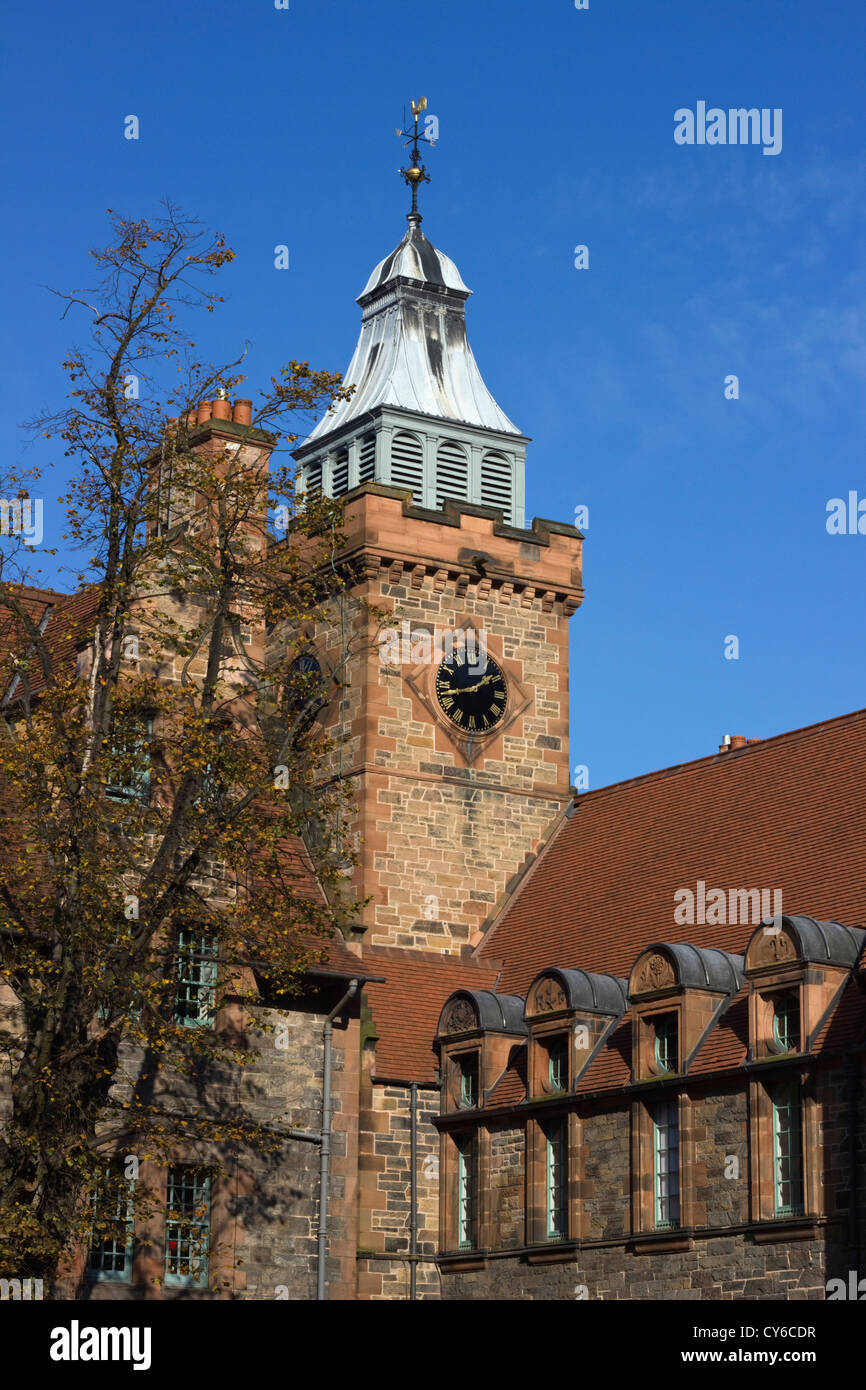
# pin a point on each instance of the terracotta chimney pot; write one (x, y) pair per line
(222, 410)
(204, 411)
(243, 412)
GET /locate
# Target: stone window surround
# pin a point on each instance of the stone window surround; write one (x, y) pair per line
(762, 1157)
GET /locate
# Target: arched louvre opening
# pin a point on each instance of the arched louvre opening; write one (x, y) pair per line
(367, 459)
(452, 472)
(497, 484)
(407, 464)
(340, 472)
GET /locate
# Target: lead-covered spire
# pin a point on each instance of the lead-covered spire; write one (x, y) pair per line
(420, 415)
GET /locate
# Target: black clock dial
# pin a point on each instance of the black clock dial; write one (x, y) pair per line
(473, 696)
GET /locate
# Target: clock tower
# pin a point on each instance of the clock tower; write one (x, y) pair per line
(453, 720)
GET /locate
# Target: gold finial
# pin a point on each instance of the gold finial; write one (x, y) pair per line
(416, 174)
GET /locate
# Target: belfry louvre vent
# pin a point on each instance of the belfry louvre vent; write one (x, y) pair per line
(340, 472)
(367, 459)
(452, 472)
(314, 476)
(407, 464)
(497, 487)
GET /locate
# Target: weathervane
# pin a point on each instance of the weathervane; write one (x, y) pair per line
(416, 174)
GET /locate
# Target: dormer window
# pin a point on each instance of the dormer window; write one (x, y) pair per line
(665, 1049)
(468, 1090)
(557, 1062)
(786, 1023)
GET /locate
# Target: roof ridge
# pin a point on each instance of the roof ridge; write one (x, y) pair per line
(410, 953)
(732, 755)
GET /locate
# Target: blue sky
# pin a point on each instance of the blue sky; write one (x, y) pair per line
(707, 515)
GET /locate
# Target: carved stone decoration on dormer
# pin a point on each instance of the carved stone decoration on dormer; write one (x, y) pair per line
(773, 947)
(656, 972)
(459, 1017)
(548, 997)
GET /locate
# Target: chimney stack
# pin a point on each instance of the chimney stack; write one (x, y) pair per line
(732, 741)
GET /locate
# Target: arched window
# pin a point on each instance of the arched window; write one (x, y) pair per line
(452, 472)
(407, 464)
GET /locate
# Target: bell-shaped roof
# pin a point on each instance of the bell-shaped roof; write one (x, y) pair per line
(416, 258)
(413, 353)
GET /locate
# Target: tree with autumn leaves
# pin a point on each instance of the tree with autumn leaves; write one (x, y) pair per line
(165, 803)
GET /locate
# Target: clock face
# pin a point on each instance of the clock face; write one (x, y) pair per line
(473, 696)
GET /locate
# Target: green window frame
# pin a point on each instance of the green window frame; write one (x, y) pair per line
(786, 1023)
(110, 1260)
(187, 1227)
(196, 970)
(666, 1165)
(556, 1179)
(468, 1098)
(467, 1193)
(557, 1063)
(134, 747)
(665, 1048)
(787, 1151)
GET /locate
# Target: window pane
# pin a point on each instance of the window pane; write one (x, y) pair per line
(557, 1068)
(466, 1193)
(187, 1227)
(129, 779)
(196, 978)
(557, 1181)
(788, 1149)
(666, 1163)
(786, 1023)
(468, 1081)
(666, 1043)
(110, 1258)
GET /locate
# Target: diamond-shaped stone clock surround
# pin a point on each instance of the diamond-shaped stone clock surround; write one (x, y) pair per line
(422, 682)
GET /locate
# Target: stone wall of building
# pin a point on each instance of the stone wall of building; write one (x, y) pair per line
(722, 1252)
(264, 1205)
(385, 1193)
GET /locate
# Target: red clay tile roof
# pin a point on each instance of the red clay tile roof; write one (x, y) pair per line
(69, 628)
(406, 1009)
(510, 1089)
(786, 813)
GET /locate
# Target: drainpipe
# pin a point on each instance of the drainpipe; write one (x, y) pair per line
(413, 1191)
(325, 1155)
